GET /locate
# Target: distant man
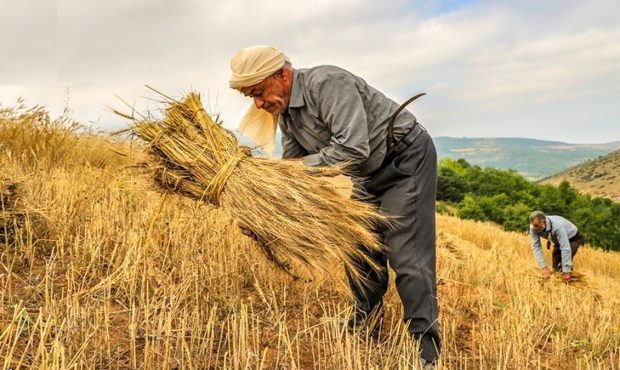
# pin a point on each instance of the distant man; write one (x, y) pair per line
(566, 241)
(328, 116)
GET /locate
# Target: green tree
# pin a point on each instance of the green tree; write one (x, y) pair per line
(470, 209)
(516, 217)
(450, 186)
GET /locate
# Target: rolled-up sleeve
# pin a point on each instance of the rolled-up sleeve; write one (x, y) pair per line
(341, 107)
(565, 250)
(537, 249)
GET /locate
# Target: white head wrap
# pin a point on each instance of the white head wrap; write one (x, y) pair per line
(251, 66)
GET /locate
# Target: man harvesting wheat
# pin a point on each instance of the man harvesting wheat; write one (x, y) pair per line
(566, 240)
(329, 116)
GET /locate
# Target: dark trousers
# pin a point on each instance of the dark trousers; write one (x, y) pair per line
(405, 187)
(575, 242)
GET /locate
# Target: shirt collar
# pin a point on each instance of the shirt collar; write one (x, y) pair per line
(297, 97)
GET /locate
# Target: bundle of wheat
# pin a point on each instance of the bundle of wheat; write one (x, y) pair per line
(298, 217)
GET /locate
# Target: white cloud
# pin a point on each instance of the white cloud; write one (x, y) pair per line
(521, 68)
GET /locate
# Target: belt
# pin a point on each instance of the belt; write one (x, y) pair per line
(555, 243)
(403, 143)
(409, 138)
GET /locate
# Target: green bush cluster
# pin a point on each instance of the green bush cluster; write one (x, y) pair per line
(507, 198)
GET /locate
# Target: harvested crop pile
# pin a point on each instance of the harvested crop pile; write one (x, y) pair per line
(298, 217)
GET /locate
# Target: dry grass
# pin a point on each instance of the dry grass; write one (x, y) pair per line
(119, 276)
(34, 139)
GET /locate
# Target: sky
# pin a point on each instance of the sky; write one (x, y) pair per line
(537, 69)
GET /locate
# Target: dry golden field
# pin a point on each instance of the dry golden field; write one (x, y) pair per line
(98, 271)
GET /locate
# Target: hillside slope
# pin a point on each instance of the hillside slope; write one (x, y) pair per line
(599, 177)
(100, 271)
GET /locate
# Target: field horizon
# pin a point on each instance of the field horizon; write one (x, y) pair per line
(535, 159)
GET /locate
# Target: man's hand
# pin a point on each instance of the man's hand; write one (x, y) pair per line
(546, 273)
(567, 276)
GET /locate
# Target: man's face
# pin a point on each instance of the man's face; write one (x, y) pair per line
(539, 224)
(273, 93)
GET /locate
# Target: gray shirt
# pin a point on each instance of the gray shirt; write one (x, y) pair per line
(334, 116)
(560, 230)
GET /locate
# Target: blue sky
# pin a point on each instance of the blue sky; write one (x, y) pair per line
(439, 7)
(547, 70)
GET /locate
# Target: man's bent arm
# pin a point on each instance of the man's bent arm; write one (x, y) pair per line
(291, 148)
(341, 108)
(567, 259)
(537, 249)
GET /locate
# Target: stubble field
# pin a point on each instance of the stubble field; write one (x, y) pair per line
(98, 270)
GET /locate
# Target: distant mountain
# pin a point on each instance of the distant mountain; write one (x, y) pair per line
(599, 177)
(534, 159)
